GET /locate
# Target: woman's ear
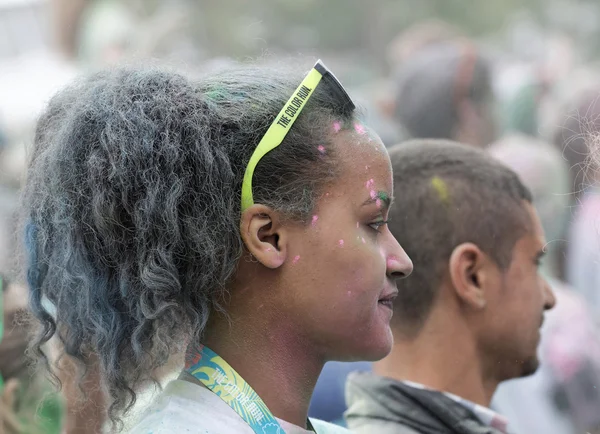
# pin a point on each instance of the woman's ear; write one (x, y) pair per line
(264, 235)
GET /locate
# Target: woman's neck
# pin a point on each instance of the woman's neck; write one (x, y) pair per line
(272, 358)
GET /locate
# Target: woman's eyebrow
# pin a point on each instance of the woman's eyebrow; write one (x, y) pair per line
(380, 196)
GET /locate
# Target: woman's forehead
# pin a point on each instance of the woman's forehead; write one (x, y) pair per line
(364, 163)
(361, 153)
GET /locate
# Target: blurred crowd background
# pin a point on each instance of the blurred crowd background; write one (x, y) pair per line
(518, 77)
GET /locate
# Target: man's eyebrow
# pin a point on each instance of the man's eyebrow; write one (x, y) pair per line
(381, 196)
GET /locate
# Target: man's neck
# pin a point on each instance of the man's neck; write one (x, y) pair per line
(441, 358)
(272, 359)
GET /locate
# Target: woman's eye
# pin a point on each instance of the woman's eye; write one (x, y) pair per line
(377, 225)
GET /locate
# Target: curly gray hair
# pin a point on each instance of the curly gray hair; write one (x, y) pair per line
(132, 206)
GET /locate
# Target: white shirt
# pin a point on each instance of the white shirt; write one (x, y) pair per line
(188, 408)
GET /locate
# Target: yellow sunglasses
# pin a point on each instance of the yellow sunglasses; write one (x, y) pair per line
(286, 118)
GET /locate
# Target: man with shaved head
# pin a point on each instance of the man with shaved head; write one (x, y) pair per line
(562, 397)
(468, 317)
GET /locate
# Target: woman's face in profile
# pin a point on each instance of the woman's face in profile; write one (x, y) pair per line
(344, 263)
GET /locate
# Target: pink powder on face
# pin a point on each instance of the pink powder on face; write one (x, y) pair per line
(363, 240)
(314, 220)
(321, 149)
(392, 261)
(370, 183)
(357, 225)
(359, 128)
(377, 202)
(296, 259)
(341, 243)
(349, 293)
(337, 126)
(269, 249)
(373, 194)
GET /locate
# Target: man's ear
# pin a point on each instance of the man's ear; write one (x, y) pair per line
(264, 235)
(471, 273)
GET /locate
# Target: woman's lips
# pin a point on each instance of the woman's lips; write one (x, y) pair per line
(387, 299)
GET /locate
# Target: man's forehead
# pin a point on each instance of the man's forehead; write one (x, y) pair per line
(536, 232)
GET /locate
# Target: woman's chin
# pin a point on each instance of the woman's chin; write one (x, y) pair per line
(374, 347)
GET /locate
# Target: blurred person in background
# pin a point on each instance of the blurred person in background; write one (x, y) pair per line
(445, 92)
(8, 227)
(578, 121)
(29, 404)
(66, 23)
(520, 113)
(407, 43)
(468, 317)
(418, 37)
(563, 396)
(97, 33)
(582, 268)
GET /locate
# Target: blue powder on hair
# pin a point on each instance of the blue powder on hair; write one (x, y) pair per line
(35, 275)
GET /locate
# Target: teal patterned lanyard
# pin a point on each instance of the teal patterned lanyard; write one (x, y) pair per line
(219, 377)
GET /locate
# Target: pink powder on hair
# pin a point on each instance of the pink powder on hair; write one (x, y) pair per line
(296, 259)
(359, 128)
(337, 126)
(341, 243)
(314, 220)
(321, 149)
